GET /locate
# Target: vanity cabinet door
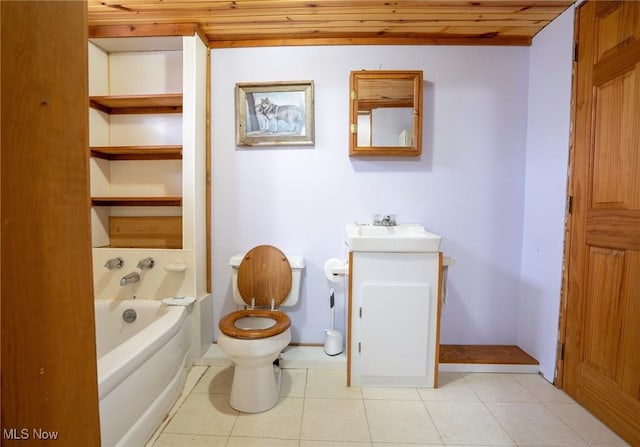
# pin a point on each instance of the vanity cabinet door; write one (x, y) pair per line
(394, 337)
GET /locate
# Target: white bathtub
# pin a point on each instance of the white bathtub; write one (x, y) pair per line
(141, 367)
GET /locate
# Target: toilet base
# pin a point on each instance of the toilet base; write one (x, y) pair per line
(255, 389)
(256, 384)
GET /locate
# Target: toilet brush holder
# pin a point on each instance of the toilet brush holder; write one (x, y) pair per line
(332, 342)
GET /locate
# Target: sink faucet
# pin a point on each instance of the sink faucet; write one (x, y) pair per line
(130, 278)
(386, 221)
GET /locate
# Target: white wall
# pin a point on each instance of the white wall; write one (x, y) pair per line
(548, 131)
(467, 186)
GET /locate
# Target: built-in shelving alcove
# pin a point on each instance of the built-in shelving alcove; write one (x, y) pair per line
(136, 137)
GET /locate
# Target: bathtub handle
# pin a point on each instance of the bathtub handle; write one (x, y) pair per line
(146, 263)
(114, 263)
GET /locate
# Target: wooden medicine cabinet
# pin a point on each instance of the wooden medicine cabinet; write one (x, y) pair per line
(385, 113)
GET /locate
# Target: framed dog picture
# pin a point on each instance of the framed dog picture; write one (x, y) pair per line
(274, 114)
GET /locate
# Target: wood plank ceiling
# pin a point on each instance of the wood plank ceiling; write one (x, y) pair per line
(244, 23)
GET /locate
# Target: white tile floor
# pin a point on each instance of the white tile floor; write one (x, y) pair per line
(317, 409)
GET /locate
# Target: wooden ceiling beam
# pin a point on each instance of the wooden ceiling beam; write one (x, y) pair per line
(181, 9)
(237, 5)
(346, 26)
(389, 40)
(147, 30)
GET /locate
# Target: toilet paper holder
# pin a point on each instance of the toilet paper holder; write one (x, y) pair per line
(335, 269)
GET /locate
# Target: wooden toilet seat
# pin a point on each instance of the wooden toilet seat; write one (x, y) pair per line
(228, 327)
(264, 279)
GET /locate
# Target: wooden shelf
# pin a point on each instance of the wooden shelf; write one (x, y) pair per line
(137, 152)
(138, 104)
(136, 201)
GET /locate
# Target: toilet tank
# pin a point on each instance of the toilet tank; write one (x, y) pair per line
(297, 266)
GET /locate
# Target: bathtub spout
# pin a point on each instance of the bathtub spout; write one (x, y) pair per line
(130, 278)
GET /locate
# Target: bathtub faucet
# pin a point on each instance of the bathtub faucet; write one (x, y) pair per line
(130, 278)
(114, 263)
(146, 263)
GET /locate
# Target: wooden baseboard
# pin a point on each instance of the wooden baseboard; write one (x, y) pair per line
(485, 354)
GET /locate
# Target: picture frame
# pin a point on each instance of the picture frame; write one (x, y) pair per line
(275, 113)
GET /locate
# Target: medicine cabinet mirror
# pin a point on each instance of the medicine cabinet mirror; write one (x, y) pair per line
(385, 113)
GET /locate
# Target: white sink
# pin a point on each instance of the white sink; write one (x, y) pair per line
(397, 238)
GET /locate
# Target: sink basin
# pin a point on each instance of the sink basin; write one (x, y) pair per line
(397, 238)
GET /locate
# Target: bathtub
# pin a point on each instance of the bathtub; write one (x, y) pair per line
(141, 367)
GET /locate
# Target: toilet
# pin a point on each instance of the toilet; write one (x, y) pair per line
(263, 280)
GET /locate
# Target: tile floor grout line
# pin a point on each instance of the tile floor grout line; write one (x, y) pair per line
(424, 404)
(174, 408)
(366, 417)
(235, 422)
(565, 423)
(304, 399)
(504, 429)
(464, 378)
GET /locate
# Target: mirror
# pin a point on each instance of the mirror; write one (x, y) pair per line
(385, 113)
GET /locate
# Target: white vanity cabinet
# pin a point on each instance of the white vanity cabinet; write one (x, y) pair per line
(394, 318)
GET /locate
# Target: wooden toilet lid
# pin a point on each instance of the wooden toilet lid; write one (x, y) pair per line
(264, 275)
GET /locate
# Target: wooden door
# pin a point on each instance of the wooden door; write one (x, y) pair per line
(49, 380)
(602, 344)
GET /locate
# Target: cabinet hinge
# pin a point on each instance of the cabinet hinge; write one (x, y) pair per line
(354, 94)
(360, 312)
(354, 128)
(359, 347)
(569, 209)
(560, 351)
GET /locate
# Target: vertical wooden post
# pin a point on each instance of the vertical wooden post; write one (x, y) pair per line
(49, 378)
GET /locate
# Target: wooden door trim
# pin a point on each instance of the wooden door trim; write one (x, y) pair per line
(580, 193)
(49, 376)
(562, 322)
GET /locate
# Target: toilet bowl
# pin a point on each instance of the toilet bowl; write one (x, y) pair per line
(264, 279)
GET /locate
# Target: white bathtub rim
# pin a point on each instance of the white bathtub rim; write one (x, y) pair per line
(116, 365)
